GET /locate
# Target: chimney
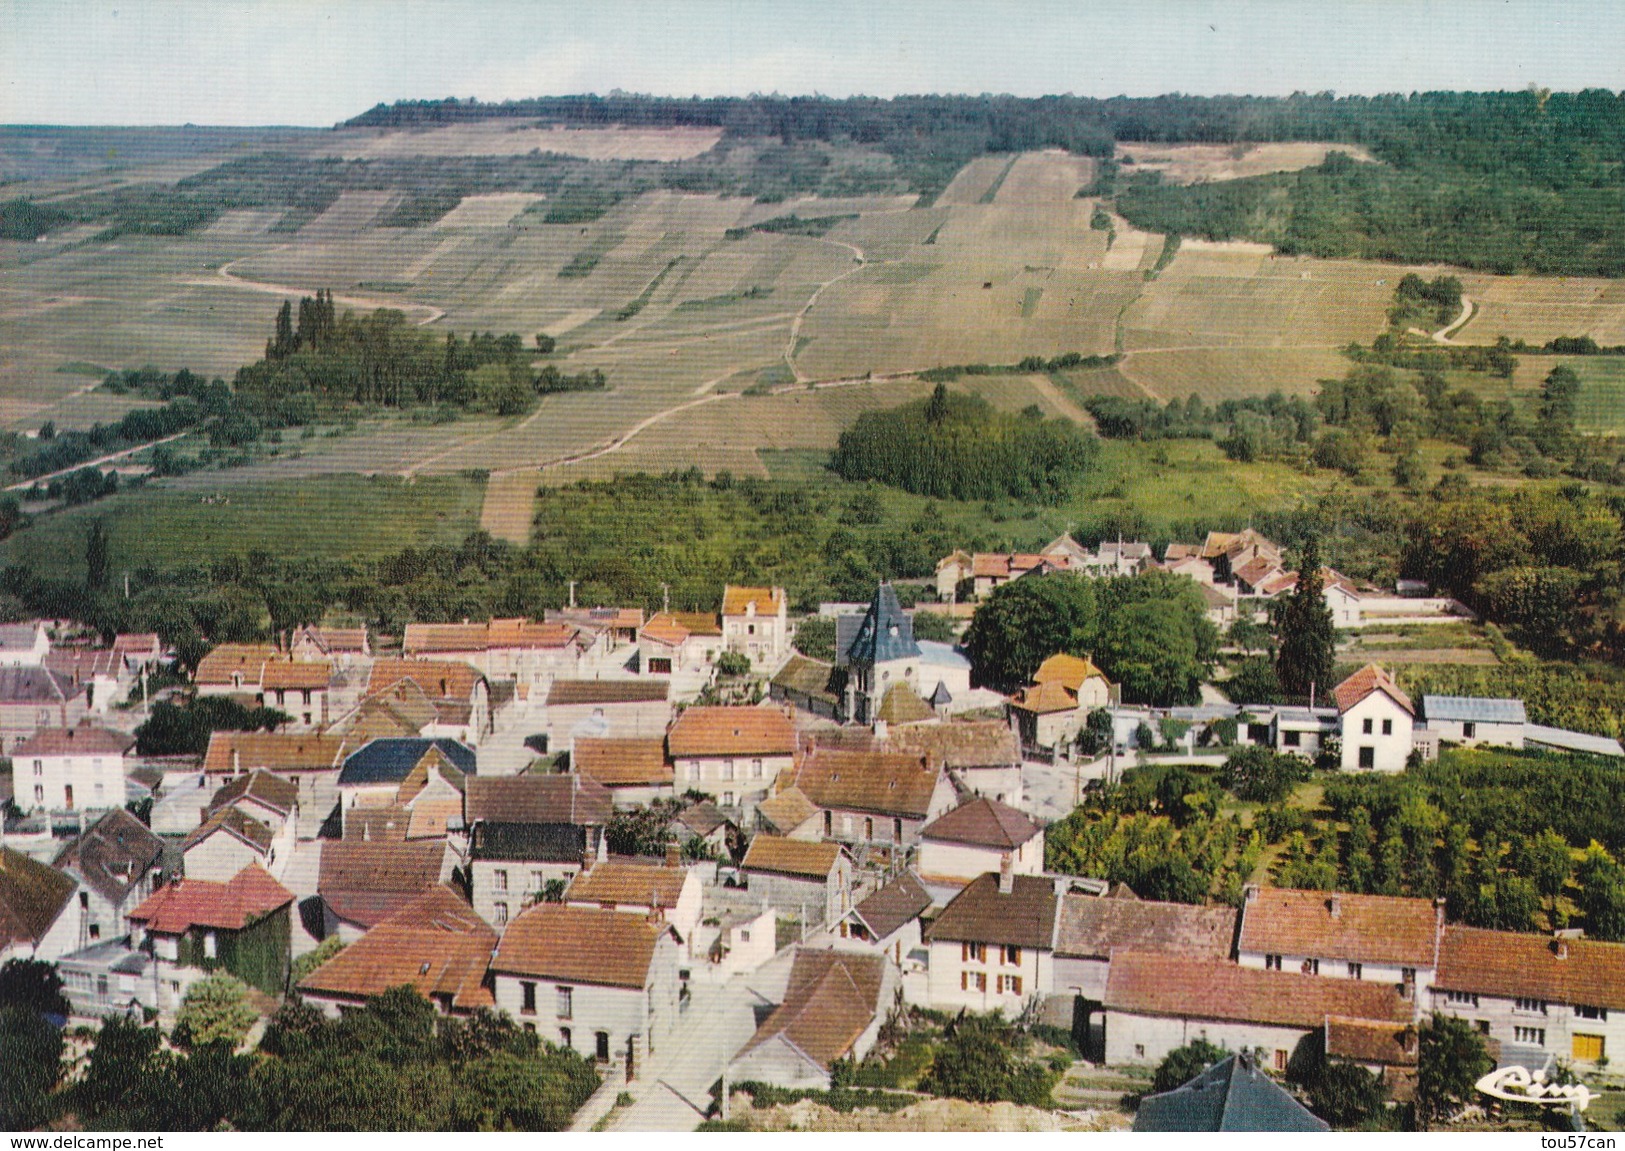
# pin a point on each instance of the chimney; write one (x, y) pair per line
(1335, 905)
(674, 855)
(1560, 947)
(586, 860)
(1007, 875)
(1249, 893)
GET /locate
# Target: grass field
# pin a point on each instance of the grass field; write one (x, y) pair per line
(330, 517)
(1203, 163)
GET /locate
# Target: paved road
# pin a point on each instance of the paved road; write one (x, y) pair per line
(1050, 792)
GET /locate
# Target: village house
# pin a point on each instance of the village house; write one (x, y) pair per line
(1540, 997)
(117, 862)
(1116, 558)
(35, 697)
(875, 650)
(1390, 1051)
(299, 689)
(945, 677)
(230, 839)
(603, 983)
(195, 926)
(977, 837)
(1156, 1002)
(1186, 560)
(518, 649)
(1092, 928)
(755, 623)
(1376, 721)
(619, 626)
(428, 804)
(433, 943)
(344, 647)
(1386, 939)
(111, 978)
(871, 797)
(363, 882)
(993, 946)
(732, 754)
(1232, 1095)
(139, 651)
(789, 814)
(40, 916)
(459, 694)
(678, 641)
(834, 1004)
(233, 669)
(667, 889)
(372, 775)
(704, 822)
(1229, 552)
(1470, 721)
(635, 771)
(983, 756)
(732, 942)
(986, 571)
(605, 708)
(529, 831)
(311, 761)
(1065, 689)
(70, 769)
(808, 882)
(97, 671)
(887, 920)
(24, 644)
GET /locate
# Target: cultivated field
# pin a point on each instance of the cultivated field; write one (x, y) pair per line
(1537, 309)
(1228, 373)
(1201, 163)
(499, 138)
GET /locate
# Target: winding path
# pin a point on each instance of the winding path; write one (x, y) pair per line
(429, 312)
(861, 262)
(99, 461)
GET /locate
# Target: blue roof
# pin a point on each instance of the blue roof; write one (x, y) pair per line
(1232, 1095)
(1473, 709)
(390, 760)
(939, 654)
(879, 635)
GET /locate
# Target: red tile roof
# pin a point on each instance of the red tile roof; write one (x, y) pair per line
(82, 740)
(1323, 925)
(622, 762)
(731, 731)
(983, 822)
(628, 882)
(433, 942)
(288, 675)
(767, 600)
(234, 751)
(794, 857)
(245, 659)
(439, 679)
(579, 945)
(1044, 699)
(607, 692)
(1362, 683)
(1582, 972)
(981, 913)
(831, 999)
(571, 799)
(186, 903)
(1143, 983)
(365, 882)
(1092, 928)
(885, 783)
(1370, 1041)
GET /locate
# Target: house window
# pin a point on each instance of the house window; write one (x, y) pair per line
(564, 1037)
(499, 879)
(211, 946)
(1598, 1013)
(601, 1045)
(1272, 962)
(973, 953)
(1531, 1035)
(1368, 757)
(1311, 967)
(527, 998)
(39, 768)
(829, 823)
(1010, 955)
(501, 913)
(1388, 727)
(1356, 971)
(39, 794)
(727, 769)
(744, 935)
(897, 831)
(750, 629)
(1139, 1051)
(1530, 1006)
(868, 829)
(1461, 998)
(101, 986)
(1468, 730)
(566, 1003)
(100, 791)
(973, 981)
(1281, 1056)
(727, 799)
(1291, 738)
(1009, 985)
(756, 769)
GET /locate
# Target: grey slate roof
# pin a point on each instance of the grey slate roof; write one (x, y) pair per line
(35, 685)
(1564, 740)
(1473, 709)
(113, 855)
(530, 842)
(1232, 1095)
(881, 634)
(389, 760)
(901, 900)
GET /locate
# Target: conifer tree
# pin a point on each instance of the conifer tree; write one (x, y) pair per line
(1308, 640)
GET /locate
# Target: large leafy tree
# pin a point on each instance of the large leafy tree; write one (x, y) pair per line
(1451, 1059)
(1183, 1064)
(31, 1056)
(1153, 651)
(1028, 620)
(1308, 641)
(216, 1010)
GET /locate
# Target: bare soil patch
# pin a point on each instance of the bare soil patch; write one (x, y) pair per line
(1201, 163)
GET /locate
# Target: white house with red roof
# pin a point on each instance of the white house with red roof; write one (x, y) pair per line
(755, 623)
(1376, 721)
(977, 837)
(77, 768)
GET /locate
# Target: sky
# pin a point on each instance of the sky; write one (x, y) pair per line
(316, 62)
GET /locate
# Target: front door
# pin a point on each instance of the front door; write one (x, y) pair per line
(1588, 1048)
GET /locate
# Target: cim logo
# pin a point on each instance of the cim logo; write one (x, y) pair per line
(1520, 1085)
